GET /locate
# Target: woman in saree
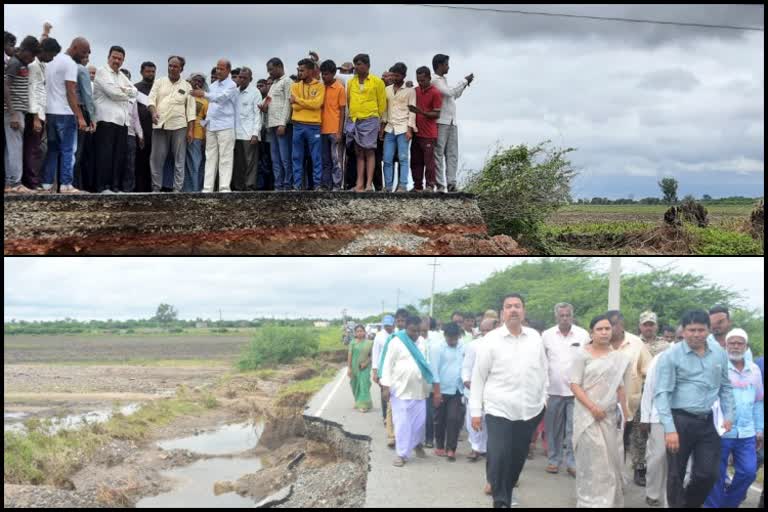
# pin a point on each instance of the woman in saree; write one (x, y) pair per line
(359, 369)
(598, 381)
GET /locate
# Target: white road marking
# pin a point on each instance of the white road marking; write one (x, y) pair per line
(333, 392)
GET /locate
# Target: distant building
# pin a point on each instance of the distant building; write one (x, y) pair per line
(322, 324)
(201, 325)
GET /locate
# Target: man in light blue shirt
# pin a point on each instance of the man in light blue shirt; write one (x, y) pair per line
(446, 360)
(691, 376)
(221, 122)
(746, 436)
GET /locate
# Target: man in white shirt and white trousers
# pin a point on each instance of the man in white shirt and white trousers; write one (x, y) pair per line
(509, 384)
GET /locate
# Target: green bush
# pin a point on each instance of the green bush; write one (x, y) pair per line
(519, 187)
(277, 345)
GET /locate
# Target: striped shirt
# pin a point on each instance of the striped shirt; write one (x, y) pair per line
(17, 75)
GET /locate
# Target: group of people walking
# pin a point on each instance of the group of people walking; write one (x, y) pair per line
(681, 406)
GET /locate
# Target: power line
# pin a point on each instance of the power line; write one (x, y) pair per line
(581, 16)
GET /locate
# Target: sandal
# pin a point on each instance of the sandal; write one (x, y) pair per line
(439, 452)
(19, 189)
(473, 457)
(399, 462)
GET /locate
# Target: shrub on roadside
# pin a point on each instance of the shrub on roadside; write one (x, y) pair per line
(519, 187)
(277, 345)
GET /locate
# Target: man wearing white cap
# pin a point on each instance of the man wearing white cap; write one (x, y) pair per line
(746, 436)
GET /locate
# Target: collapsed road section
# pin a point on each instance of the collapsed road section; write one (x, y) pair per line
(249, 223)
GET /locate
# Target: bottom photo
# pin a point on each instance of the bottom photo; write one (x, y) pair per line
(397, 382)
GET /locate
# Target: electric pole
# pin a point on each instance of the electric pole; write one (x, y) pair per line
(614, 284)
(434, 266)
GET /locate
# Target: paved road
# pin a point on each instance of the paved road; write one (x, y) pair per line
(435, 482)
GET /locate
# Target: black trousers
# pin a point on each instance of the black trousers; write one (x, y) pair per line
(109, 141)
(508, 443)
(83, 177)
(245, 166)
(430, 426)
(449, 418)
(698, 438)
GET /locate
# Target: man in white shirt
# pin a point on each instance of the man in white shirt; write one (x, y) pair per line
(656, 450)
(34, 126)
(477, 439)
(447, 145)
(248, 134)
(135, 139)
(397, 127)
(173, 112)
(509, 383)
(388, 322)
(113, 93)
(407, 376)
(399, 324)
(221, 122)
(561, 342)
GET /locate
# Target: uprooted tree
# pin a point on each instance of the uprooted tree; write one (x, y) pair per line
(520, 186)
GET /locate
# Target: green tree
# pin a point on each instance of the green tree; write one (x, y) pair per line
(668, 187)
(520, 186)
(547, 281)
(166, 314)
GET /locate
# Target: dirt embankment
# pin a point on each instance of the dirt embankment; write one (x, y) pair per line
(311, 464)
(249, 223)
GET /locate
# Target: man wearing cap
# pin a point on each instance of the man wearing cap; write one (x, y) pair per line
(746, 436)
(378, 345)
(638, 439)
(378, 348)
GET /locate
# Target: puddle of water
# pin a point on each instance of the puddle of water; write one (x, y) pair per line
(228, 439)
(194, 485)
(13, 421)
(14, 416)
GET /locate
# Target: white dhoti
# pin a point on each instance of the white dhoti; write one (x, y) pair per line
(410, 419)
(478, 440)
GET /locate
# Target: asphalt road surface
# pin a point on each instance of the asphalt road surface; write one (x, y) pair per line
(435, 482)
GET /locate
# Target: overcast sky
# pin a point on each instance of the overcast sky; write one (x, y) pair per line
(244, 288)
(639, 101)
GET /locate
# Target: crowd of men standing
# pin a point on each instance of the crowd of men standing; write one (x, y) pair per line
(683, 406)
(71, 127)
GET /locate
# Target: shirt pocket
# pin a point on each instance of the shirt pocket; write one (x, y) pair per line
(712, 375)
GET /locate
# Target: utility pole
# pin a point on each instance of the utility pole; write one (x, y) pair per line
(434, 266)
(382, 307)
(221, 318)
(614, 284)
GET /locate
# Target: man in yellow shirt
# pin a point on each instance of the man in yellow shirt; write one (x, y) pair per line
(307, 97)
(367, 101)
(195, 168)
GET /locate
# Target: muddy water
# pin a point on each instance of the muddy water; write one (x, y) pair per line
(193, 484)
(13, 421)
(229, 439)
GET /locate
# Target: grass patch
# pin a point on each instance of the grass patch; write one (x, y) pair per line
(720, 242)
(298, 393)
(38, 456)
(329, 339)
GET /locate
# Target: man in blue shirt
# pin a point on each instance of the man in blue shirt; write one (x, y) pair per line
(690, 377)
(446, 360)
(746, 436)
